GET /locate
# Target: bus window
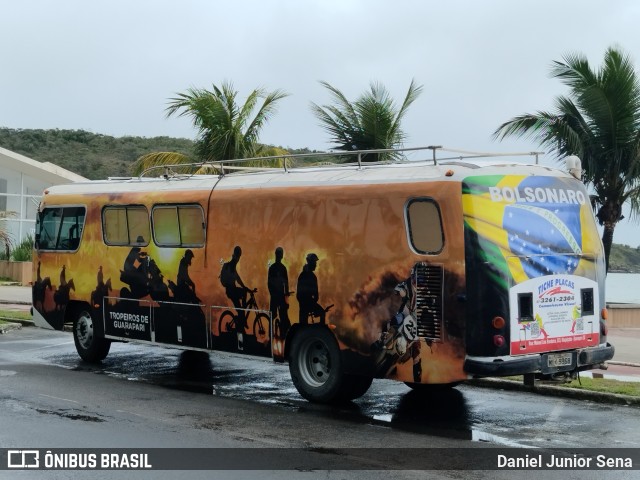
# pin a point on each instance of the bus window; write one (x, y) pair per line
(424, 226)
(178, 225)
(126, 225)
(60, 228)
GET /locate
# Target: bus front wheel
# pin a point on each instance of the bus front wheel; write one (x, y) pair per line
(90, 346)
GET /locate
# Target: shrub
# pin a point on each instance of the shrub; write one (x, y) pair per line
(24, 250)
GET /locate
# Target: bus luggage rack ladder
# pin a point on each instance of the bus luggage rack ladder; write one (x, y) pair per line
(429, 291)
(359, 159)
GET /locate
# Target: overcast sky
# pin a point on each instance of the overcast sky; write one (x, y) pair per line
(110, 66)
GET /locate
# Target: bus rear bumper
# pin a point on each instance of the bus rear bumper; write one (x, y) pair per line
(584, 359)
(595, 355)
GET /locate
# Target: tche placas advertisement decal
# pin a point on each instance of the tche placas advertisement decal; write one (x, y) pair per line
(554, 312)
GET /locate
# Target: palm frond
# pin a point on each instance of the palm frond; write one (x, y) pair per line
(413, 93)
(226, 129)
(161, 159)
(264, 113)
(371, 122)
(600, 122)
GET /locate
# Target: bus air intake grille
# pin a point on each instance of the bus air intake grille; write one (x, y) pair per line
(429, 281)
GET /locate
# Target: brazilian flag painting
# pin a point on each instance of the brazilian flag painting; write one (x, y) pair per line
(535, 236)
(530, 226)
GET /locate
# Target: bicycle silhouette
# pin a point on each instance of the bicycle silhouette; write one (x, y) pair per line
(229, 319)
(312, 315)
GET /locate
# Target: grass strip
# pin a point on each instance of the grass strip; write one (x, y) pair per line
(605, 385)
(8, 315)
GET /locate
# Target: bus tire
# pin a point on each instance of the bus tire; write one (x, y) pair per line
(315, 365)
(90, 345)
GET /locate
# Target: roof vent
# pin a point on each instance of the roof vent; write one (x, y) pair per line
(574, 166)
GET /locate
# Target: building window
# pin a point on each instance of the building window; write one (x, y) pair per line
(424, 226)
(126, 225)
(60, 228)
(3, 192)
(178, 225)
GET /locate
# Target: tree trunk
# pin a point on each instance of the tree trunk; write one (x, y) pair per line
(607, 241)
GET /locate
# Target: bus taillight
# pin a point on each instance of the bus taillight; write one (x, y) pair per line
(498, 323)
(498, 340)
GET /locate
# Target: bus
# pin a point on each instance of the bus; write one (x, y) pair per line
(427, 271)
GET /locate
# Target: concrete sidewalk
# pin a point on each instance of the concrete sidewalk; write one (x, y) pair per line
(15, 294)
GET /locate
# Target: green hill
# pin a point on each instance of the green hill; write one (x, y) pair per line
(89, 154)
(97, 156)
(624, 259)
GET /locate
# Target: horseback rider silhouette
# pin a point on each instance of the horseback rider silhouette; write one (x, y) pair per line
(134, 272)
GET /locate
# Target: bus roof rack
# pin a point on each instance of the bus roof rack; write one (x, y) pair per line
(285, 162)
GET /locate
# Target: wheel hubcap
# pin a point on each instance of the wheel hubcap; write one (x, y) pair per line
(314, 363)
(84, 330)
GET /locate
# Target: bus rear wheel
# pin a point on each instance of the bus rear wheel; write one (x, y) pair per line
(315, 365)
(90, 346)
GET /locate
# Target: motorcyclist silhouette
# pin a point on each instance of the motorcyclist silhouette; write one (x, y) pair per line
(399, 340)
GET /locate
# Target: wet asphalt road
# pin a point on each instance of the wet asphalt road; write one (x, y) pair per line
(154, 397)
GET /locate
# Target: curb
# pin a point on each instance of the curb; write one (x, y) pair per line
(623, 364)
(7, 327)
(20, 321)
(556, 391)
(14, 302)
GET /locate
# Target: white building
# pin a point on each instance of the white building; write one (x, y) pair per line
(22, 181)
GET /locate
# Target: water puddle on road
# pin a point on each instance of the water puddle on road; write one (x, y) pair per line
(480, 436)
(445, 414)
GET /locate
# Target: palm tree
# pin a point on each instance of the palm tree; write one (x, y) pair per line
(599, 121)
(371, 122)
(226, 130)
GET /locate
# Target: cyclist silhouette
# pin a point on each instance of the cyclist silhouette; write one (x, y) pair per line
(278, 283)
(307, 292)
(237, 294)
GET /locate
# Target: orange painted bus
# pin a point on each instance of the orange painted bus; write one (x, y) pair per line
(428, 272)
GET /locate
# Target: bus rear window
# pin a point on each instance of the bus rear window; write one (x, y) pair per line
(178, 225)
(424, 226)
(60, 228)
(126, 225)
